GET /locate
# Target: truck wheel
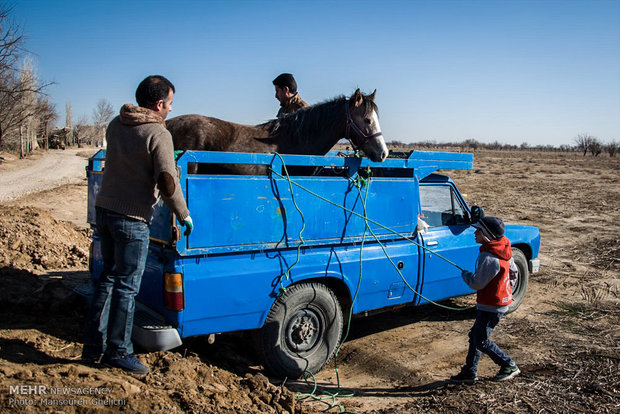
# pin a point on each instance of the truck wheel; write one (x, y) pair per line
(520, 285)
(302, 331)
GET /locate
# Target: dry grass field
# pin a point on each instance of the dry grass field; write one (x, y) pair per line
(565, 336)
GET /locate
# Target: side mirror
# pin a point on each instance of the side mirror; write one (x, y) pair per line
(476, 213)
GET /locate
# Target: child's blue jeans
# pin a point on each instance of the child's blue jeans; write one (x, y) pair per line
(479, 342)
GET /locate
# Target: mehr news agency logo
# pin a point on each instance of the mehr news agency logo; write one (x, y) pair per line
(43, 395)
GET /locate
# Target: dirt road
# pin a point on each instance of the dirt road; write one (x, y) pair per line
(41, 172)
(564, 337)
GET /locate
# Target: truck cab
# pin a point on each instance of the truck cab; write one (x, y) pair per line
(451, 235)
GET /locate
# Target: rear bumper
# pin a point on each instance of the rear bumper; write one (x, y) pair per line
(534, 265)
(151, 332)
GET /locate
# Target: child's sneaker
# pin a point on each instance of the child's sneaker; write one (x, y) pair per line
(507, 372)
(464, 377)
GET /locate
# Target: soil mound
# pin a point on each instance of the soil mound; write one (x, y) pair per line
(32, 239)
(40, 337)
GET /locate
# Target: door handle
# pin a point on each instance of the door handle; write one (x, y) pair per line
(432, 243)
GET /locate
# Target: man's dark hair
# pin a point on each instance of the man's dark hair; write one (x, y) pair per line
(152, 89)
(286, 79)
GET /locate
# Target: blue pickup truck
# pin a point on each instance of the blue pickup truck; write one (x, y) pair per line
(288, 255)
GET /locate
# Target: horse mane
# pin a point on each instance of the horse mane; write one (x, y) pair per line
(310, 122)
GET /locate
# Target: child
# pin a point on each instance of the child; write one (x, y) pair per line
(494, 269)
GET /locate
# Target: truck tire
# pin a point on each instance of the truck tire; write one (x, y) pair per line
(520, 286)
(302, 331)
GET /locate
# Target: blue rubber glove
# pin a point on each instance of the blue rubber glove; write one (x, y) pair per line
(178, 153)
(189, 225)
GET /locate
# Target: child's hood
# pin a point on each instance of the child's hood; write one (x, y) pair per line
(500, 248)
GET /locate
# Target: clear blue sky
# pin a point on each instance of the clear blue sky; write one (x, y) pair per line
(539, 72)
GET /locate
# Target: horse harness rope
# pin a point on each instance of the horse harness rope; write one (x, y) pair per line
(351, 125)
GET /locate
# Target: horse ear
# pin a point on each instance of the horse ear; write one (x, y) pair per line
(373, 95)
(357, 98)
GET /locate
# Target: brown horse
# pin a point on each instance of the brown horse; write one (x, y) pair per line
(313, 130)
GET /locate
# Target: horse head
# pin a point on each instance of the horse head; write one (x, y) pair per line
(363, 130)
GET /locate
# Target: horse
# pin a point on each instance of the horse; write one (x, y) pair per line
(312, 131)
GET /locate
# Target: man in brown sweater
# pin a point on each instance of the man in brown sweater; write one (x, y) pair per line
(139, 167)
(286, 93)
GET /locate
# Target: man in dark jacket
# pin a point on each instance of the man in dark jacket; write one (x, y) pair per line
(495, 268)
(286, 93)
(139, 167)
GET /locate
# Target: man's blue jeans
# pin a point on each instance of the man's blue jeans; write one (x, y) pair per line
(479, 341)
(124, 247)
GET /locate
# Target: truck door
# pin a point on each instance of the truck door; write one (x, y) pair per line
(451, 236)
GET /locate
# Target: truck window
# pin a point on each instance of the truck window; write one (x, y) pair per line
(440, 206)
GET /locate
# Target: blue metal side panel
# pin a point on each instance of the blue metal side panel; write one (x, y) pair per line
(233, 213)
(222, 294)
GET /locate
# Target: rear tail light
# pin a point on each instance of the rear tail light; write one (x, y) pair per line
(173, 292)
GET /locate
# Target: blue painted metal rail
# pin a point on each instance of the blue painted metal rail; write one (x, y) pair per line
(242, 213)
(234, 213)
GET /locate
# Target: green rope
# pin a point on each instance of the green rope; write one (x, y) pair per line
(287, 273)
(359, 182)
(366, 219)
(370, 220)
(403, 276)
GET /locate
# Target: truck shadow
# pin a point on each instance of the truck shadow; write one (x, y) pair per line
(424, 390)
(235, 352)
(230, 351)
(362, 326)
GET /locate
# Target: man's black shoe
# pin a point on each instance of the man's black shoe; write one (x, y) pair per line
(127, 363)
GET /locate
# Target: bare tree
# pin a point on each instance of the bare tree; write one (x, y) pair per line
(79, 130)
(596, 147)
(47, 115)
(11, 40)
(19, 87)
(68, 116)
(84, 133)
(28, 103)
(471, 143)
(68, 130)
(102, 114)
(583, 142)
(612, 148)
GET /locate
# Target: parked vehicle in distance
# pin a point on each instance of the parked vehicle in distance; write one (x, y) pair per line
(281, 258)
(56, 143)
